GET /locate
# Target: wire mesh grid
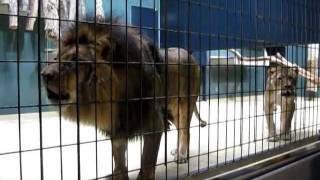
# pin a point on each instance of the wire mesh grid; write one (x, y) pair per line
(153, 88)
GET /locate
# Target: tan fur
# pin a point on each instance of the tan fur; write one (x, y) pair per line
(280, 91)
(183, 90)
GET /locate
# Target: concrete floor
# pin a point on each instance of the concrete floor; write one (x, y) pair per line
(236, 129)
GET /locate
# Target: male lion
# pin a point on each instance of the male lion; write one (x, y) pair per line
(106, 76)
(280, 91)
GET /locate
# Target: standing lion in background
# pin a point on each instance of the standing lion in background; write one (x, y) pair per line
(106, 76)
(280, 91)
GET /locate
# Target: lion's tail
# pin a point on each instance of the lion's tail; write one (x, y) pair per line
(196, 112)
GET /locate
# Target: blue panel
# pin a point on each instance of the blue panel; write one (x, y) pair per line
(147, 19)
(195, 12)
(28, 65)
(272, 21)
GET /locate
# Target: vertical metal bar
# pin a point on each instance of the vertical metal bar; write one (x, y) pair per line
(299, 87)
(286, 53)
(306, 58)
(312, 70)
(141, 98)
(278, 89)
(255, 81)
(178, 98)
(208, 66)
(263, 88)
(18, 88)
(127, 76)
(218, 118)
(290, 69)
(188, 75)
(282, 110)
(166, 85)
(200, 58)
(155, 32)
(236, 91)
(59, 81)
(234, 109)
(269, 12)
(307, 105)
(274, 90)
(95, 90)
(303, 86)
(241, 83)
(235, 38)
(235, 95)
(111, 83)
(250, 93)
(39, 88)
(227, 88)
(317, 74)
(77, 92)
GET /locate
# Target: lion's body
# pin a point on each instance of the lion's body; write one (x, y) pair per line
(280, 91)
(111, 82)
(183, 88)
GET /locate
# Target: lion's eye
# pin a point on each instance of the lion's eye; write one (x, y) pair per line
(280, 78)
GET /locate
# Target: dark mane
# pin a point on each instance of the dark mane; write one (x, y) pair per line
(128, 39)
(131, 46)
(86, 31)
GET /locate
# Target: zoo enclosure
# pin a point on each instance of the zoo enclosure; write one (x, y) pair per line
(205, 28)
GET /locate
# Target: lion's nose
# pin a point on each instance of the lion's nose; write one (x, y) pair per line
(47, 76)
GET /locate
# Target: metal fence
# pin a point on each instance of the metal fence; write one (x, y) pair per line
(151, 88)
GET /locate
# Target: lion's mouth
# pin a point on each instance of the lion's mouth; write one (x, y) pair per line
(57, 96)
(287, 93)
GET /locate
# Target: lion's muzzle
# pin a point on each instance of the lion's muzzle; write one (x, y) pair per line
(51, 80)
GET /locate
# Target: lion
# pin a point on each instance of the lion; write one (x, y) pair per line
(183, 88)
(280, 91)
(113, 78)
(105, 77)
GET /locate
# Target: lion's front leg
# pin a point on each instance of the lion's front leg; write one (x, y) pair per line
(150, 155)
(287, 111)
(119, 148)
(268, 109)
(153, 127)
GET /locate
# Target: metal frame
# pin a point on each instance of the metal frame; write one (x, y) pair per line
(221, 110)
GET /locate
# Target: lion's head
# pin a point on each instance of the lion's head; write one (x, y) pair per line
(283, 79)
(81, 66)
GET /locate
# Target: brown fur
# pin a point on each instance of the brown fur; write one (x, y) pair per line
(183, 90)
(118, 98)
(280, 91)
